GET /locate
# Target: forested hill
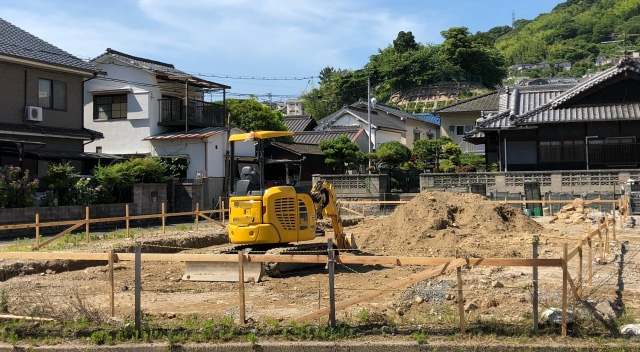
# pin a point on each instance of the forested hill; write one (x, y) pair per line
(573, 31)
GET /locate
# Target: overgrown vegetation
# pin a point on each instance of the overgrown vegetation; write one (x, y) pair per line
(17, 189)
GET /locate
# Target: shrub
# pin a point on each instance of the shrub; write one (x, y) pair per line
(16, 190)
(116, 180)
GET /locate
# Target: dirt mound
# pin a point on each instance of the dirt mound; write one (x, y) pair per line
(444, 220)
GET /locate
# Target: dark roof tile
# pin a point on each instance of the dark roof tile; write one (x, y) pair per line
(21, 44)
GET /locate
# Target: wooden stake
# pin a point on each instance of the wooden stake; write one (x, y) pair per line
(86, 230)
(197, 217)
(37, 230)
(241, 286)
(590, 262)
(224, 210)
(111, 284)
(565, 275)
(580, 268)
(460, 299)
(164, 219)
(126, 216)
(550, 206)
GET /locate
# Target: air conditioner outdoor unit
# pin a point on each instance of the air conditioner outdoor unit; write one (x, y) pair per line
(33, 113)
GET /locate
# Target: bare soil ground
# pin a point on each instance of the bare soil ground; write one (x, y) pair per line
(433, 224)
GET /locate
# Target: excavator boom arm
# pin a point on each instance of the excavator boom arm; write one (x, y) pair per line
(326, 202)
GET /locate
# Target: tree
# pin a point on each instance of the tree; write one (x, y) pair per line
(405, 42)
(472, 162)
(392, 154)
(342, 153)
(430, 151)
(473, 58)
(250, 115)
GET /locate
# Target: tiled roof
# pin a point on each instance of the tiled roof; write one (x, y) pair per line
(21, 44)
(554, 104)
(389, 110)
(315, 137)
(142, 63)
(193, 133)
(83, 133)
(362, 114)
(485, 102)
(300, 123)
(164, 70)
(299, 148)
(431, 118)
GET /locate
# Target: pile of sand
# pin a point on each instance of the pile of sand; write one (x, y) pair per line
(439, 220)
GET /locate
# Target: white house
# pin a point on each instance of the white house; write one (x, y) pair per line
(147, 107)
(387, 123)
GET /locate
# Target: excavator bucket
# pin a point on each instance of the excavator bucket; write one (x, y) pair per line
(222, 272)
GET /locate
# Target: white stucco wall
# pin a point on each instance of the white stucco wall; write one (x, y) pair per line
(126, 136)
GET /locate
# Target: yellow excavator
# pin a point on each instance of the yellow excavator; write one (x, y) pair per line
(271, 219)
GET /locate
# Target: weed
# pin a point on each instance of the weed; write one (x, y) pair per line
(363, 316)
(183, 227)
(252, 339)
(13, 338)
(419, 336)
(4, 301)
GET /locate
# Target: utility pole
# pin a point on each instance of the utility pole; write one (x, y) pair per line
(369, 116)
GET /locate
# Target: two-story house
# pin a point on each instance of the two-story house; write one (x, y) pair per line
(385, 123)
(147, 107)
(41, 102)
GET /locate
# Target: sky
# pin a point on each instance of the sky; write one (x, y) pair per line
(273, 49)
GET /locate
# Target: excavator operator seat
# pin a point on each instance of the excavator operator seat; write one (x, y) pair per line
(249, 181)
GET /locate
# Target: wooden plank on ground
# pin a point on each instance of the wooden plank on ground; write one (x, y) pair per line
(402, 283)
(352, 211)
(55, 255)
(514, 262)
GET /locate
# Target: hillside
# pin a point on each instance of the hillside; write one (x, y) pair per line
(573, 31)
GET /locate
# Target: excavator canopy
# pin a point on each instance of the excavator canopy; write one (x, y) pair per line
(258, 135)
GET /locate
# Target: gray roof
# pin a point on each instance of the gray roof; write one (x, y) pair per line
(485, 102)
(142, 63)
(84, 133)
(300, 123)
(388, 109)
(315, 137)
(299, 148)
(555, 104)
(163, 70)
(18, 43)
(362, 114)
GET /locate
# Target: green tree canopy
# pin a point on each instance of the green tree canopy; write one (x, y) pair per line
(430, 151)
(250, 115)
(392, 154)
(342, 153)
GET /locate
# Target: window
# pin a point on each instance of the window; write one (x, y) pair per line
(98, 149)
(561, 151)
(462, 129)
(52, 94)
(416, 136)
(110, 107)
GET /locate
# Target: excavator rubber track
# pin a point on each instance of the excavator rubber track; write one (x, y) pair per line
(253, 272)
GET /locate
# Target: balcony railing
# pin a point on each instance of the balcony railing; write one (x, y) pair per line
(198, 113)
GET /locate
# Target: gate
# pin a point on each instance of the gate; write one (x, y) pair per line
(407, 181)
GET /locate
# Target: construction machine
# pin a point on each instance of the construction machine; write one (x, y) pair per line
(273, 220)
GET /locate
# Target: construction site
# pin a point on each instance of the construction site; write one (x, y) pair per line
(396, 281)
